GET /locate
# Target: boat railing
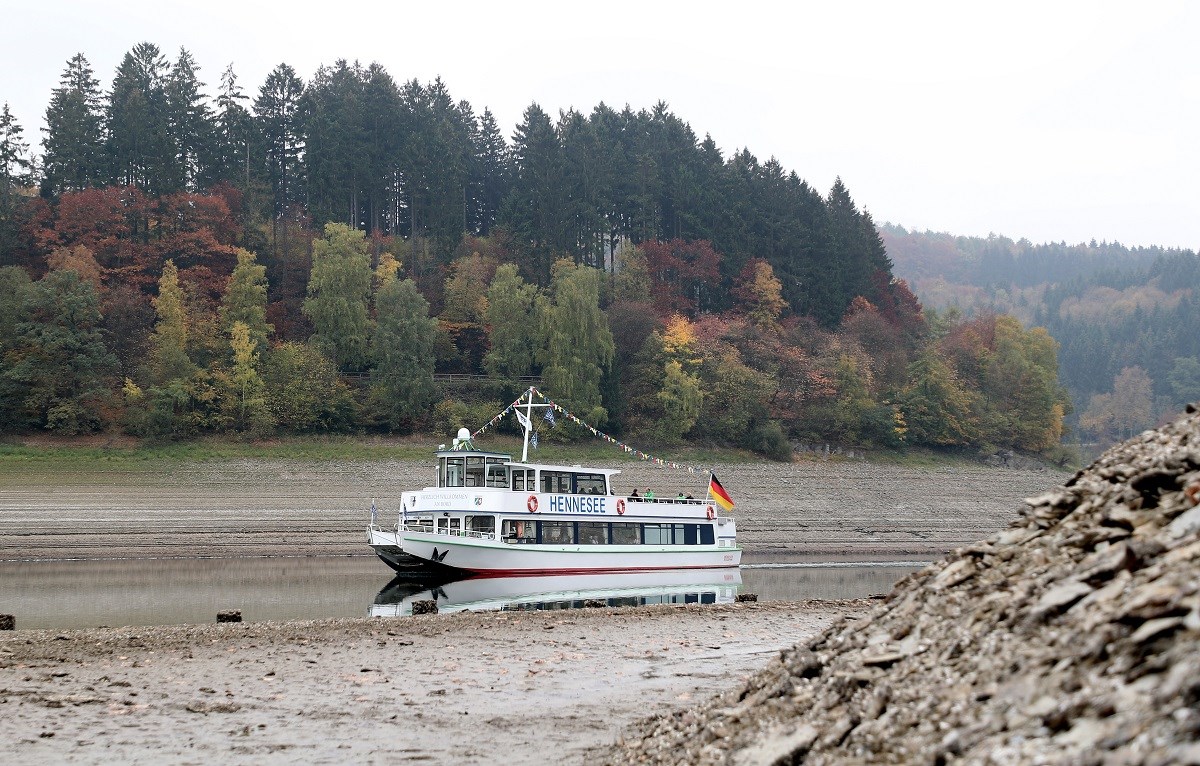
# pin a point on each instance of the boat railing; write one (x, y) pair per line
(412, 526)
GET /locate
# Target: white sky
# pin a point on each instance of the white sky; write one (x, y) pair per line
(1045, 120)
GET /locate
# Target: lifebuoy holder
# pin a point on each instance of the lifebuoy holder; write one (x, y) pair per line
(532, 503)
(620, 507)
(712, 514)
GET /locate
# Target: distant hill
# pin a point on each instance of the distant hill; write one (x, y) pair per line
(1112, 308)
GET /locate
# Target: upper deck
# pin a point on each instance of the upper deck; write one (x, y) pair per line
(478, 468)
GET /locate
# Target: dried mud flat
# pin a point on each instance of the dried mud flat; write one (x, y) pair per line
(514, 688)
(276, 507)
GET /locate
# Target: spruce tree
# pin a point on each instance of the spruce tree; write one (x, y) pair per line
(73, 147)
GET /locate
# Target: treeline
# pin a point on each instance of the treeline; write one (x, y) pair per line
(306, 261)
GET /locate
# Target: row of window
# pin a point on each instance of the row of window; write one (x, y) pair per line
(605, 533)
(477, 471)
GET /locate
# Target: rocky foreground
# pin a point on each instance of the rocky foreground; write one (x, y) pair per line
(1073, 636)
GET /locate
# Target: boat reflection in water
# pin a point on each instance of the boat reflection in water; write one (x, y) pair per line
(669, 586)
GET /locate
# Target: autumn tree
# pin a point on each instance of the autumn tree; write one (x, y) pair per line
(1126, 410)
(760, 294)
(245, 300)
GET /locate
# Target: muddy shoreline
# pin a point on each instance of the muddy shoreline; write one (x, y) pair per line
(537, 687)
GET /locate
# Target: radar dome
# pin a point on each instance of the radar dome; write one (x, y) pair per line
(464, 434)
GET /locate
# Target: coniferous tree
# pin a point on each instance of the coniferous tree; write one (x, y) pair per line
(278, 113)
(14, 173)
(138, 130)
(233, 135)
(73, 147)
(190, 121)
(535, 207)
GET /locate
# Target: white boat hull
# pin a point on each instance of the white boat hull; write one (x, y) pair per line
(483, 556)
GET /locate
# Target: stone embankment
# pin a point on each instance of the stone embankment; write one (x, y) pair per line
(1073, 636)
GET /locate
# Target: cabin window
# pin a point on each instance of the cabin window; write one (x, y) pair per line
(523, 480)
(593, 533)
(626, 534)
(497, 476)
(707, 536)
(659, 534)
(558, 532)
(474, 472)
(558, 482)
(590, 483)
(483, 525)
(519, 531)
(452, 476)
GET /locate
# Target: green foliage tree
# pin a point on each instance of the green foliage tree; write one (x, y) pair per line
(510, 315)
(1184, 378)
(58, 356)
(339, 292)
(938, 409)
(304, 392)
(577, 346)
(241, 388)
(15, 285)
(402, 378)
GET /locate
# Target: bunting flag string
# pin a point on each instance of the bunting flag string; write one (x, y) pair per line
(555, 407)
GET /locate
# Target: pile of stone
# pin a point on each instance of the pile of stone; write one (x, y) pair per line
(1073, 636)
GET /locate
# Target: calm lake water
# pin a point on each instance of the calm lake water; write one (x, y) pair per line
(79, 594)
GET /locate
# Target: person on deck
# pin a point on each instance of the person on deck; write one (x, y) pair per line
(649, 494)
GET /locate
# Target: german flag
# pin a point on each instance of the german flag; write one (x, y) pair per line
(718, 493)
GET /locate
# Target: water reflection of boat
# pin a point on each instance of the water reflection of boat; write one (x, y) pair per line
(677, 586)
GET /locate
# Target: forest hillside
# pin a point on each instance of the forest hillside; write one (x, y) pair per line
(317, 255)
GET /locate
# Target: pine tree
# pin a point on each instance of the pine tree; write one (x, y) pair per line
(14, 173)
(278, 114)
(233, 135)
(73, 147)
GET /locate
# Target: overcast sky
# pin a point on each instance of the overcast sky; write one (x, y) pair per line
(1045, 120)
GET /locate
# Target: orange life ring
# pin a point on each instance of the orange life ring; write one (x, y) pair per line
(712, 514)
(620, 507)
(531, 503)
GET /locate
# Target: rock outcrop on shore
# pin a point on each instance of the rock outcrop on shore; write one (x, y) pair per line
(1073, 636)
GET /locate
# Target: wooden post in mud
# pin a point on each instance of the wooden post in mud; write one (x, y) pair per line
(234, 615)
(744, 597)
(8, 622)
(427, 606)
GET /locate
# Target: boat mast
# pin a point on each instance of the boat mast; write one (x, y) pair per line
(528, 424)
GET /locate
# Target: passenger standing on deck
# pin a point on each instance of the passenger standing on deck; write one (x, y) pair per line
(649, 494)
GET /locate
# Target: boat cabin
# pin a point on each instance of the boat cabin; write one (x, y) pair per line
(492, 469)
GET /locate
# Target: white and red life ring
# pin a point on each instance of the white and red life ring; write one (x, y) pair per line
(531, 503)
(620, 507)
(712, 513)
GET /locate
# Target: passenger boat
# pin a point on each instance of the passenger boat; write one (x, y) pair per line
(488, 514)
(552, 592)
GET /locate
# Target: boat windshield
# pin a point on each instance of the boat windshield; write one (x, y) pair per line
(468, 471)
